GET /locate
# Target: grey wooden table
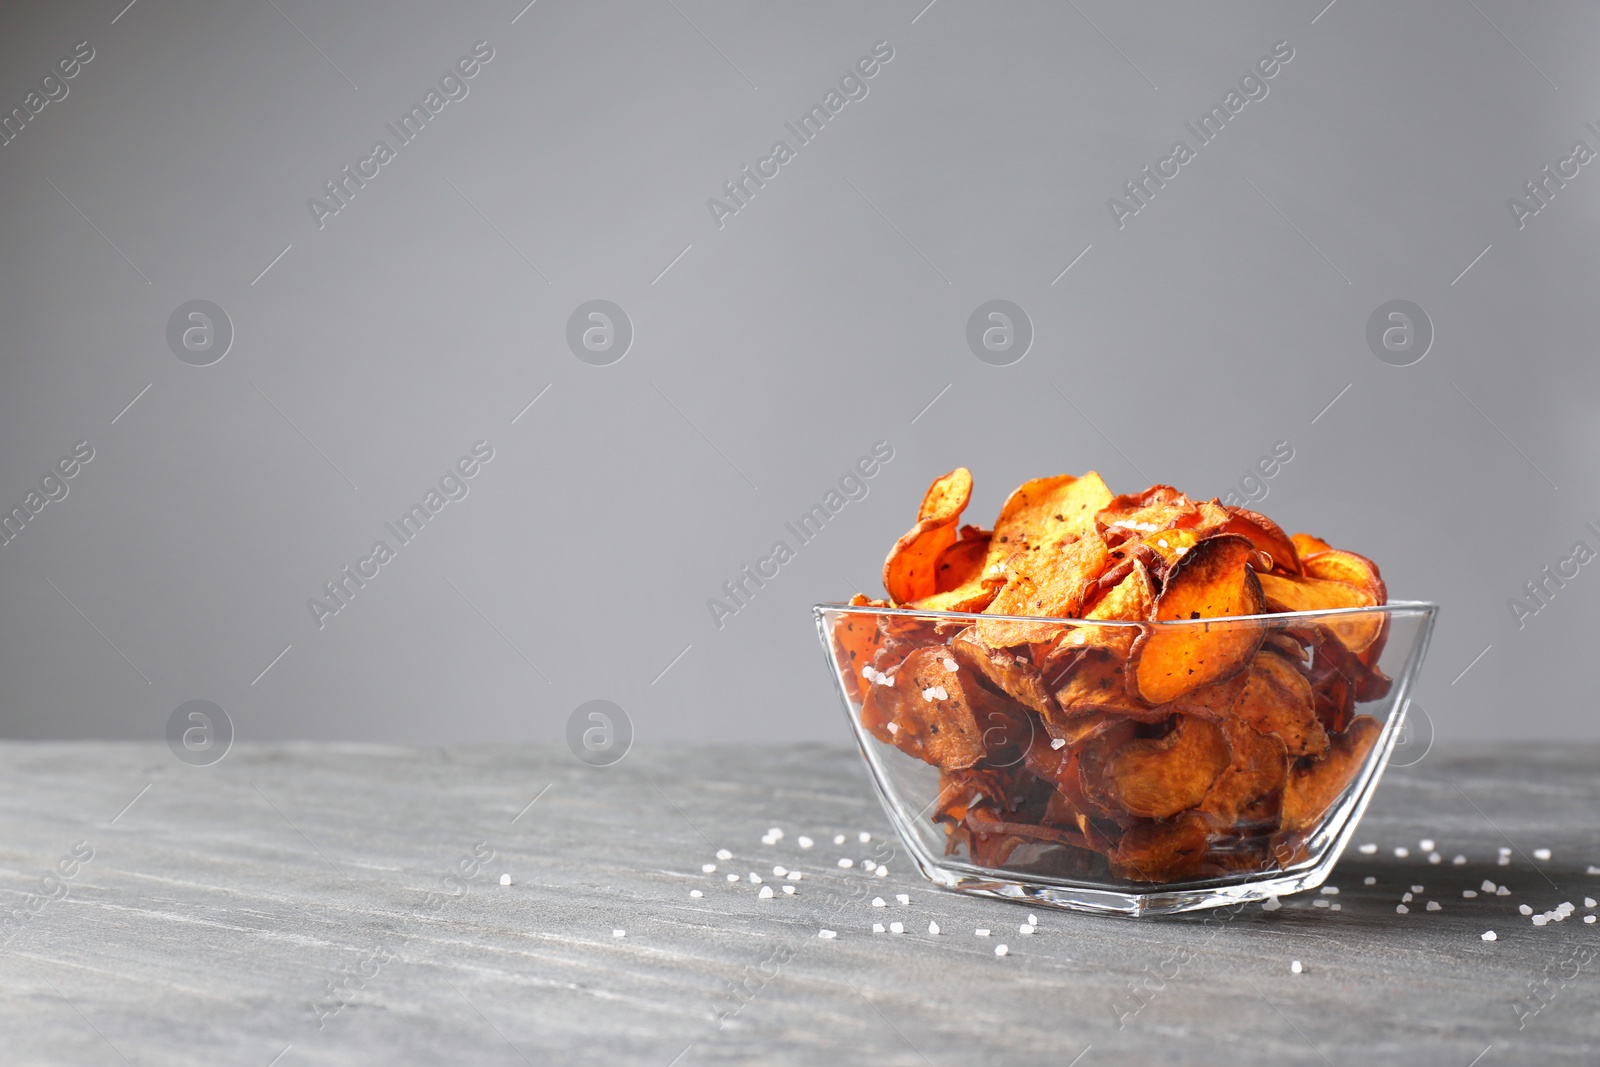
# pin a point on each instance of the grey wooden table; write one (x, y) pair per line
(334, 904)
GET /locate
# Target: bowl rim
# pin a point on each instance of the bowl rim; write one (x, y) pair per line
(1426, 608)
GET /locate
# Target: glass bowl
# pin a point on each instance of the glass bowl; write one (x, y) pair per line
(1020, 757)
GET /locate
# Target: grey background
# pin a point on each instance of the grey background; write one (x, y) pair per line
(825, 316)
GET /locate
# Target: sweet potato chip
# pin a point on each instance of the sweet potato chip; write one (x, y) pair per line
(911, 571)
(1041, 514)
(1295, 592)
(1058, 586)
(1307, 546)
(1259, 765)
(930, 709)
(1277, 701)
(1159, 507)
(1267, 536)
(1212, 579)
(856, 639)
(1314, 786)
(1161, 851)
(1095, 680)
(1012, 674)
(1158, 777)
(958, 575)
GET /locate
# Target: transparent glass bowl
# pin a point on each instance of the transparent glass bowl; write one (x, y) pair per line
(1040, 772)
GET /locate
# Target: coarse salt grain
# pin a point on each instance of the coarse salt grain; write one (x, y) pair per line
(733, 877)
(1294, 967)
(766, 892)
(724, 854)
(1000, 950)
(789, 890)
(755, 879)
(1469, 893)
(1025, 929)
(1367, 849)
(1504, 861)
(696, 893)
(1503, 891)
(1320, 903)
(982, 931)
(775, 831)
(1271, 904)
(1541, 853)
(1459, 860)
(805, 842)
(897, 928)
(838, 839)
(894, 728)
(1059, 743)
(904, 898)
(1402, 909)
(1434, 857)
(619, 933)
(1540, 920)
(1336, 907)
(846, 862)
(1330, 890)
(1401, 851)
(1033, 920)
(1488, 935)
(882, 871)
(1370, 879)
(933, 927)
(1588, 918)
(935, 692)
(779, 872)
(1433, 905)
(1405, 898)
(868, 866)
(827, 935)
(1588, 902)
(879, 902)
(1592, 869)
(1416, 889)
(505, 879)
(950, 664)
(708, 868)
(1524, 909)
(1426, 844)
(1487, 886)
(877, 928)
(1505, 850)
(795, 876)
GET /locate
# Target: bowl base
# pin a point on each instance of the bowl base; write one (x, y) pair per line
(1166, 900)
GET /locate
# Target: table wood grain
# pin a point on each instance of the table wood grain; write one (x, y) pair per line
(333, 904)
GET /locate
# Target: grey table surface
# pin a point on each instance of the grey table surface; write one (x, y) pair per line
(329, 904)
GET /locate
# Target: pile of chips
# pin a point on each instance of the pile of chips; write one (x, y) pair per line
(1149, 753)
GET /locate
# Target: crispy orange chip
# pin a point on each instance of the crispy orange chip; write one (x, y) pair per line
(1213, 579)
(1158, 777)
(1057, 586)
(1041, 514)
(1161, 851)
(934, 711)
(1011, 673)
(1312, 789)
(1277, 700)
(958, 575)
(911, 571)
(1267, 536)
(1295, 592)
